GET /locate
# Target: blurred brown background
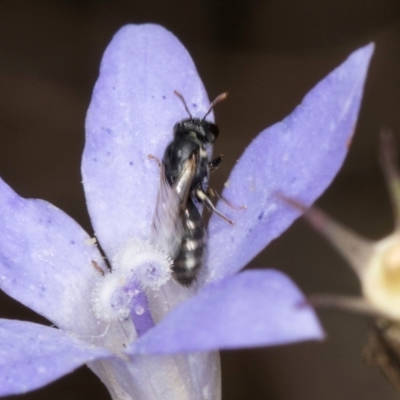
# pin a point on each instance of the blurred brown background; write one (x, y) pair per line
(267, 54)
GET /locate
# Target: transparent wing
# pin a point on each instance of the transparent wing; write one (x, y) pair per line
(171, 203)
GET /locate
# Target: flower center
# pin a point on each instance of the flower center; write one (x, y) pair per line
(381, 280)
(391, 267)
(137, 269)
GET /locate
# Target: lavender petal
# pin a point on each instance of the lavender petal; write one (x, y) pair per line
(297, 157)
(254, 308)
(46, 261)
(33, 355)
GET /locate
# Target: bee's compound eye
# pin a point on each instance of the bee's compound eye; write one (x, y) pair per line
(178, 129)
(213, 128)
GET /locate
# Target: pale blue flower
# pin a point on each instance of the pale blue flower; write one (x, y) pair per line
(143, 334)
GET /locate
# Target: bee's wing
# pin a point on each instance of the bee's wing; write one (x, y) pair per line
(168, 227)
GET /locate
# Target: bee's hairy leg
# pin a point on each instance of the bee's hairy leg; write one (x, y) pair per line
(215, 163)
(202, 196)
(97, 267)
(213, 193)
(157, 160)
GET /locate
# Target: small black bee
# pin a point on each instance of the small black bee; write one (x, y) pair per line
(185, 169)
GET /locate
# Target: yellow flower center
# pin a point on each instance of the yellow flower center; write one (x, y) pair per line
(381, 278)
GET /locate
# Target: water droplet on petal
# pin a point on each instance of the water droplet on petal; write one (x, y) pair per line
(139, 310)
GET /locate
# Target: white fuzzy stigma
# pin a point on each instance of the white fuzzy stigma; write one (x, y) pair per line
(110, 301)
(147, 265)
(138, 266)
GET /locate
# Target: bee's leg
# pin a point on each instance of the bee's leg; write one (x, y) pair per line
(213, 193)
(97, 267)
(202, 196)
(151, 157)
(214, 164)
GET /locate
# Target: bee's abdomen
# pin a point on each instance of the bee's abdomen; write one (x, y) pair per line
(190, 255)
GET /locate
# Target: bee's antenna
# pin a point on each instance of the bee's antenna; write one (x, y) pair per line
(217, 100)
(184, 102)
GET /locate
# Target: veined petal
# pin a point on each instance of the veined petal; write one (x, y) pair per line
(131, 115)
(254, 308)
(46, 261)
(297, 157)
(33, 355)
(162, 377)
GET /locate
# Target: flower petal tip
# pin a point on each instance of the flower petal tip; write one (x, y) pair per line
(357, 63)
(364, 53)
(33, 355)
(315, 330)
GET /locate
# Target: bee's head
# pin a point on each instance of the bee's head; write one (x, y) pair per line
(197, 128)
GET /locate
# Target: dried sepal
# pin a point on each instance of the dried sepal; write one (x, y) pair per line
(377, 264)
(355, 248)
(389, 164)
(354, 304)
